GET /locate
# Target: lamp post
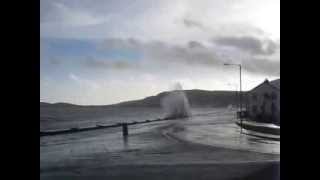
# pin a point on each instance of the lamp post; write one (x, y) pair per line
(235, 87)
(240, 92)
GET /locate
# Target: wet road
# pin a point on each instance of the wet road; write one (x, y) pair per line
(219, 130)
(210, 138)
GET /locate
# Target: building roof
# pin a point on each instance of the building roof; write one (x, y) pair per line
(274, 84)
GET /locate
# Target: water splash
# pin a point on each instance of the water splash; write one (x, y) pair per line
(175, 104)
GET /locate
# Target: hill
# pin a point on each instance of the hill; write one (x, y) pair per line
(197, 98)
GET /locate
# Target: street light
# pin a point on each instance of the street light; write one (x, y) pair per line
(240, 92)
(235, 86)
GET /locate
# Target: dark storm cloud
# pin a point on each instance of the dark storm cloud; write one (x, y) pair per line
(121, 44)
(193, 53)
(250, 44)
(195, 44)
(108, 64)
(192, 23)
(262, 66)
(159, 53)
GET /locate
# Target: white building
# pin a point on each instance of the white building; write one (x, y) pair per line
(263, 102)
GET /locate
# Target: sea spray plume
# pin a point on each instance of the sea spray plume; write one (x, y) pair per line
(175, 103)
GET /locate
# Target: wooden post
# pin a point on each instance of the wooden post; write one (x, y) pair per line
(125, 129)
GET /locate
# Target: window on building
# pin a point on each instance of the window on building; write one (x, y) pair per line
(274, 96)
(266, 95)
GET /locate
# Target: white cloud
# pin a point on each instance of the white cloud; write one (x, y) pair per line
(159, 20)
(89, 84)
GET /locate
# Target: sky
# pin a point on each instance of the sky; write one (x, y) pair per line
(98, 52)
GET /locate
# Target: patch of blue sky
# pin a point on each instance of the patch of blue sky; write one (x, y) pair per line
(72, 48)
(123, 54)
(65, 56)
